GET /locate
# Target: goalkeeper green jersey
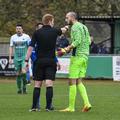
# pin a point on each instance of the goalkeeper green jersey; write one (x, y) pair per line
(80, 39)
(20, 45)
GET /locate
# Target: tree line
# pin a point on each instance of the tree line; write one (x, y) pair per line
(30, 12)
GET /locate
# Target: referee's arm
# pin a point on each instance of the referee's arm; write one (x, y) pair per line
(64, 29)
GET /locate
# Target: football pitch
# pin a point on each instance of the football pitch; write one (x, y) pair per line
(104, 96)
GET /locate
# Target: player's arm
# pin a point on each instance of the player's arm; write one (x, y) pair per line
(77, 39)
(64, 29)
(30, 48)
(29, 52)
(10, 54)
(11, 50)
(88, 35)
(28, 40)
(58, 64)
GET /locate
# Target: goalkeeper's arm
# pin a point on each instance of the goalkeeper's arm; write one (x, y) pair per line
(69, 48)
(64, 29)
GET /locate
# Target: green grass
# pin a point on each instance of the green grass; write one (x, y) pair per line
(104, 96)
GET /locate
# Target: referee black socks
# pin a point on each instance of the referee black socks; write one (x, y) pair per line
(36, 94)
(49, 96)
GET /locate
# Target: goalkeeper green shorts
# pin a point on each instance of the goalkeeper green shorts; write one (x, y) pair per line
(19, 65)
(78, 67)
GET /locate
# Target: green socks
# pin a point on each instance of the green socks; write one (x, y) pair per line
(19, 82)
(21, 79)
(72, 96)
(83, 94)
(24, 80)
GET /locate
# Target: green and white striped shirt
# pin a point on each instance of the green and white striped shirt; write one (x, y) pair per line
(20, 45)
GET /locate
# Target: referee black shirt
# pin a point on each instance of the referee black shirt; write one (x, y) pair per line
(45, 39)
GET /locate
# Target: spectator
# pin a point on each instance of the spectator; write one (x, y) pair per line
(39, 25)
(102, 49)
(93, 46)
(62, 41)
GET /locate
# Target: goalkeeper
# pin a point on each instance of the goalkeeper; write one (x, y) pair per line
(78, 62)
(19, 44)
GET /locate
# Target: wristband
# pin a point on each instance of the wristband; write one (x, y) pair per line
(26, 60)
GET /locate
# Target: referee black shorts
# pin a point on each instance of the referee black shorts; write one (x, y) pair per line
(45, 69)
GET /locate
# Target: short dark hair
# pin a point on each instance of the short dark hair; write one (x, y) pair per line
(39, 23)
(19, 25)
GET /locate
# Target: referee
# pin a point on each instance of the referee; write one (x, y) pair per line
(45, 66)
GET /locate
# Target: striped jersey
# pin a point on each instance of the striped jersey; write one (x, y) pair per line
(20, 45)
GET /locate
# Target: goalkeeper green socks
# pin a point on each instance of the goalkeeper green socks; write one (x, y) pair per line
(72, 96)
(83, 94)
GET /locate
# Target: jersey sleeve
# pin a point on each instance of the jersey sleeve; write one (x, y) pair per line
(88, 37)
(28, 40)
(11, 42)
(77, 36)
(87, 34)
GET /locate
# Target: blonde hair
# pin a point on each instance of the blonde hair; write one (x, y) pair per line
(46, 18)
